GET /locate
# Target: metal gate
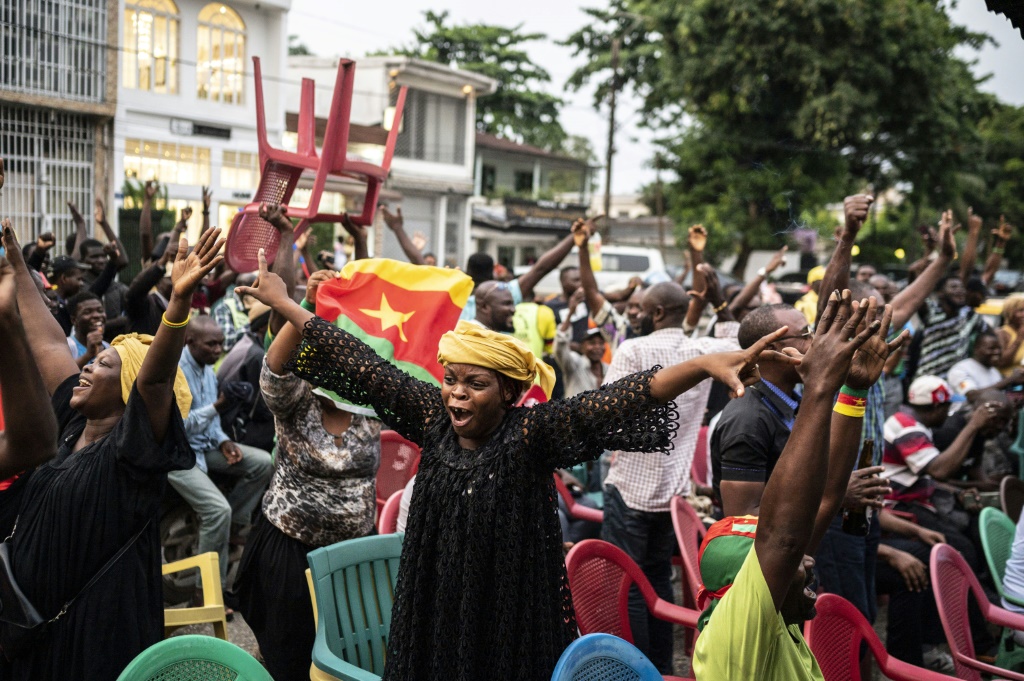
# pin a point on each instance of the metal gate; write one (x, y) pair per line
(49, 160)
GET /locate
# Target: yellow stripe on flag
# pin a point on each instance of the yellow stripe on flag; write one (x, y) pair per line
(415, 277)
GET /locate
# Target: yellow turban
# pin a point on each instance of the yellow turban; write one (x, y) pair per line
(132, 349)
(474, 344)
(815, 274)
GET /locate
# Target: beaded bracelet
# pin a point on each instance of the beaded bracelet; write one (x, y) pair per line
(721, 307)
(173, 325)
(851, 402)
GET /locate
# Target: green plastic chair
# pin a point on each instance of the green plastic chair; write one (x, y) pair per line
(194, 658)
(997, 532)
(354, 582)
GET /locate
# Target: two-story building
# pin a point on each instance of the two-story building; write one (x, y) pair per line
(185, 108)
(58, 94)
(432, 170)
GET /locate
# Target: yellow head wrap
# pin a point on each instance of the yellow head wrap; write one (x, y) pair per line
(132, 349)
(815, 274)
(474, 344)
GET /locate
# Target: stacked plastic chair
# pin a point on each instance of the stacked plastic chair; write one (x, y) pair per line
(399, 461)
(280, 170)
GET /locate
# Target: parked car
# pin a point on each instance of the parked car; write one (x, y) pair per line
(792, 286)
(1005, 282)
(619, 264)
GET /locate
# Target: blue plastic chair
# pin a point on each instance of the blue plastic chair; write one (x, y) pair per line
(354, 582)
(604, 657)
(194, 658)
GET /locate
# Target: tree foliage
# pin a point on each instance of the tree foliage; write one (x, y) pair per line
(519, 110)
(766, 110)
(297, 48)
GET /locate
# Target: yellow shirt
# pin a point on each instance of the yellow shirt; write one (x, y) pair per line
(809, 306)
(746, 637)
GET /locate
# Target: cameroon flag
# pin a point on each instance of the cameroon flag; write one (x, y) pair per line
(398, 309)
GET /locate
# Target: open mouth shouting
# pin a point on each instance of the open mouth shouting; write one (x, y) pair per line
(460, 417)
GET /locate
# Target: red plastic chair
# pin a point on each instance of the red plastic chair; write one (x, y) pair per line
(577, 511)
(387, 523)
(399, 461)
(699, 468)
(835, 636)
(952, 579)
(690, 531)
(600, 576)
(280, 170)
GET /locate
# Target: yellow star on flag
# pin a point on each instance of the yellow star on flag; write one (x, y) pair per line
(389, 317)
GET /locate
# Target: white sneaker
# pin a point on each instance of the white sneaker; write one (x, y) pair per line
(938, 660)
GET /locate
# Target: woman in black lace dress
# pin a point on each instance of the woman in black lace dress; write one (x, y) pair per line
(482, 590)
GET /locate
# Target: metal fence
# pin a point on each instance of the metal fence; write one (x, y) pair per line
(49, 160)
(54, 47)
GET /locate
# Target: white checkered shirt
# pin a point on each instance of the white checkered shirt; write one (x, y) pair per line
(647, 482)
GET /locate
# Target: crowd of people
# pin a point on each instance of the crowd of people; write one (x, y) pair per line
(227, 388)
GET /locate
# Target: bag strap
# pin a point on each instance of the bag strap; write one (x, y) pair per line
(95, 578)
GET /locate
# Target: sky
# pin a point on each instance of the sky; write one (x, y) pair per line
(351, 29)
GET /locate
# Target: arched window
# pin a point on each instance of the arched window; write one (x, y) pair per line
(150, 46)
(220, 70)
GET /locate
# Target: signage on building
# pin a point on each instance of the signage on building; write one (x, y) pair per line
(180, 126)
(549, 214)
(244, 196)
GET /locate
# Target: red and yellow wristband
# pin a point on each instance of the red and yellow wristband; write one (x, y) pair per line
(851, 402)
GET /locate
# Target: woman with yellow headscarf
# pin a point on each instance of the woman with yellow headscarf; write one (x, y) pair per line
(121, 431)
(482, 590)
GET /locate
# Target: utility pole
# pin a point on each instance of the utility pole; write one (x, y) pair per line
(659, 201)
(611, 138)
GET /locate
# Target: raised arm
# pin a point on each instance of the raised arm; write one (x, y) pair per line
(30, 435)
(146, 219)
(284, 261)
(696, 239)
(581, 231)
(207, 197)
(837, 272)
(971, 247)
(106, 278)
(290, 335)
(358, 232)
(845, 442)
(795, 489)
(49, 344)
(155, 381)
(906, 303)
(1000, 237)
(44, 242)
(754, 285)
(547, 262)
(396, 223)
(100, 213)
(80, 233)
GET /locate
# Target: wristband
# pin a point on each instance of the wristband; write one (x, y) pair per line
(722, 306)
(173, 325)
(853, 392)
(306, 305)
(851, 405)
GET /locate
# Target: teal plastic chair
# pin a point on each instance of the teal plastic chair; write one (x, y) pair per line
(997, 532)
(194, 658)
(354, 582)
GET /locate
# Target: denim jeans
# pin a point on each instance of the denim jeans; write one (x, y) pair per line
(845, 565)
(647, 538)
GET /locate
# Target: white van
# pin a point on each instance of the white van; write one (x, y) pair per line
(619, 264)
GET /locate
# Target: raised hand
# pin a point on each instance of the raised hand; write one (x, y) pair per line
(186, 214)
(869, 360)
(1003, 232)
(973, 221)
(8, 287)
(393, 220)
(12, 249)
(207, 197)
(276, 215)
(777, 261)
(697, 238)
(46, 241)
(269, 288)
(190, 268)
(110, 248)
(75, 215)
(739, 369)
(947, 232)
(150, 190)
(827, 362)
(855, 212)
(314, 281)
(712, 292)
(357, 231)
(100, 212)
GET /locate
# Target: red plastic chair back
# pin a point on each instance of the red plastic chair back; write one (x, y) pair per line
(399, 461)
(576, 511)
(599, 579)
(699, 468)
(388, 521)
(835, 636)
(951, 582)
(690, 531)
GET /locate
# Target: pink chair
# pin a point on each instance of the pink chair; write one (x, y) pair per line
(280, 170)
(387, 523)
(699, 467)
(690, 531)
(600, 576)
(952, 579)
(576, 511)
(835, 636)
(399, 461)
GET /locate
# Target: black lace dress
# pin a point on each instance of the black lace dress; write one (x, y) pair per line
(482, 590)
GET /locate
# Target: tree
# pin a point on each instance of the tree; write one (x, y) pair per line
(519, 110)
(771, 109)
(297, 48)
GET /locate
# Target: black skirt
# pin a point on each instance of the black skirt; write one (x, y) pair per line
(275, 601)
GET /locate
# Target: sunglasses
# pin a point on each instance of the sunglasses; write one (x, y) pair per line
(807, 334)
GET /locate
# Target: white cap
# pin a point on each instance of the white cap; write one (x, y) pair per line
(928, 391)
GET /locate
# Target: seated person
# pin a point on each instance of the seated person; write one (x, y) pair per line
(88, 319)
(980, 370)
(972, 472)
(915, 466)
(220, 518)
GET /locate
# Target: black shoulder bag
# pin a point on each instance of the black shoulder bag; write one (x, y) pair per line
(21, 625)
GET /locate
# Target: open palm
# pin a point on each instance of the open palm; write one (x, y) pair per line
(869, 360)
(191, 267)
